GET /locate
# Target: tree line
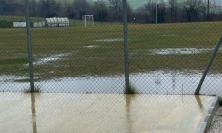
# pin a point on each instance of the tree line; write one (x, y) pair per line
(111, 10)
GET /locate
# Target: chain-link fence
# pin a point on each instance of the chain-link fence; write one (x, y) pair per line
(110, 47)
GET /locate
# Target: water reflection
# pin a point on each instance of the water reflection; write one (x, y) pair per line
(34, 124)
(135, 116)
(156, 82)
(199, 102)
(129, 99)
(100, 113)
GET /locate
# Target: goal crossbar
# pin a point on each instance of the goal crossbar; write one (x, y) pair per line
(89, 18)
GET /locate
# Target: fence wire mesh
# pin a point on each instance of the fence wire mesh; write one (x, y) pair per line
(78, 47)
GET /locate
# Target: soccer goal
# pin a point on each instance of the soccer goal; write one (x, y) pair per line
(88, 20)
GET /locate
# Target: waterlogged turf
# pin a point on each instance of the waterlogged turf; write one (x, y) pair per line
(99, 50)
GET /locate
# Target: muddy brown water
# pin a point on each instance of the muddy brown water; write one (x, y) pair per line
(99, 113)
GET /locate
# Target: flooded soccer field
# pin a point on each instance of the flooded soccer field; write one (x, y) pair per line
(163, 58)
(109, 66)
(78, 51)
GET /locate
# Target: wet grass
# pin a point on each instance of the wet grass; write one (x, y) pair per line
(18, 18)
(107, 57)
(13, 61)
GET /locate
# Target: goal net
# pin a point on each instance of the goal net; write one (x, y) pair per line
(88, 20)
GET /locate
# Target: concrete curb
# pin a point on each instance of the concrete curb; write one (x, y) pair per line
(206, 122)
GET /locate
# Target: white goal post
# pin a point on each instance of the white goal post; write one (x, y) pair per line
(88, 20)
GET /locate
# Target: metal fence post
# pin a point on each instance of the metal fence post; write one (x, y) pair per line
(29, 47)
(211, 61)
(156, 12)
(125, 36)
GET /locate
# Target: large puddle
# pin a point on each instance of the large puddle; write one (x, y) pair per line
(179, 51)
(165, 51)
(172, 51)
(156, 82)
(51, 58)
(102, 113)
(110, 40)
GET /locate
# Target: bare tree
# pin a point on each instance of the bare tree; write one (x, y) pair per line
(173, 10)
(100, 10)
(150, 10)
(209, 4)
(48, 8)
(194, 9)
(80, 8)
(116, 9)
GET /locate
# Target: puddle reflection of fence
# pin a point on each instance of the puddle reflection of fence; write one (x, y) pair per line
(157, 82)
(33, 108)
(127, 111)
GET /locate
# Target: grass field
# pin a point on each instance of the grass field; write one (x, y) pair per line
(99, 50)
(18, 18)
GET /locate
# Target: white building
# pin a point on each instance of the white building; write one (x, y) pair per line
(49, 22)
(39, 24)
(19, 24)
(57, 22)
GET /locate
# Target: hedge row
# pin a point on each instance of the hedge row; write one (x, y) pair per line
(6, 24)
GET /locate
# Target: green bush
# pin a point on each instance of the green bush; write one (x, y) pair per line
(5, 24)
